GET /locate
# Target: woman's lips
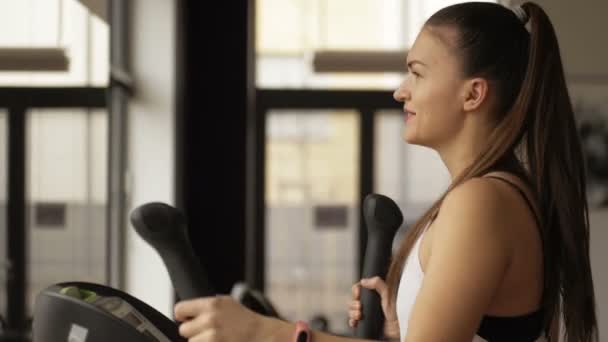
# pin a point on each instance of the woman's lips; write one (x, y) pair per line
(409, 115)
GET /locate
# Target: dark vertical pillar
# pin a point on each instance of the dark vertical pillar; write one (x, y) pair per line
(16, 233)
(255, 210)
(256, 206)
(213, 99)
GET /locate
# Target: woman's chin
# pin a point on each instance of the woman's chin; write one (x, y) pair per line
(409, 137)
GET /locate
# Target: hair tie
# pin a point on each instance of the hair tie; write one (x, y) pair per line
(521, 14)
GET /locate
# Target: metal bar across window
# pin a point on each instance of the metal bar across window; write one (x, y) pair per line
(118, 94)
(60, 97)
(366, 173)
(325, 99)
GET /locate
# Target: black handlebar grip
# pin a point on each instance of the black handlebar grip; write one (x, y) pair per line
(164, 228)
(383, 218)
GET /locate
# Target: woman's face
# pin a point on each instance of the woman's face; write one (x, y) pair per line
(432, 91)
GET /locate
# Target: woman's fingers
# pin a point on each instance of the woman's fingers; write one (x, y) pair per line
(187, 309)
(375, 283)
(196, 325)
(354, 309)
(378, 285)
(210, 335)
(354, 314)
(356, 290)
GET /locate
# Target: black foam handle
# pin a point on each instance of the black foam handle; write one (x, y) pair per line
(382, 218)
(164, 228)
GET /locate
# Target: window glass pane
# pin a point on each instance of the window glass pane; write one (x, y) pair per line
(30, 23)
(66, 197)
(64, 24)
(412, 175)
(312, 213)
(3, 196)
(289, 32)
(334, 24)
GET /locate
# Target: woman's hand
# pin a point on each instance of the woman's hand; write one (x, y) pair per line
(221, 318)
(391, 324)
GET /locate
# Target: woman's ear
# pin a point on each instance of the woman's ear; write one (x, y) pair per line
(476, 92)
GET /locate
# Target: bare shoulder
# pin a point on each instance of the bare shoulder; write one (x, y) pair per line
(476, 194)
(477, 209)
(480, 197)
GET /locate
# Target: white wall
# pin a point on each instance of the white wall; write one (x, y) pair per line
(151, 122)
(599, 255)
(580, 27)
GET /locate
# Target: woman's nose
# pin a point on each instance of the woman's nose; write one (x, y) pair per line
(396, 95)
(400, 93)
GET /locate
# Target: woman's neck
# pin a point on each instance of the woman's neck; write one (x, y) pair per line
(457, 158)
(462, 150)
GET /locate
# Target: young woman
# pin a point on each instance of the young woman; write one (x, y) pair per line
(504, 253)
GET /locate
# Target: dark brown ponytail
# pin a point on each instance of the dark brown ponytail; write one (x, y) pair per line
(557, 166)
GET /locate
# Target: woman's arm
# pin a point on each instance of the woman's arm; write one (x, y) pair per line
(470, 253)
(221, 318)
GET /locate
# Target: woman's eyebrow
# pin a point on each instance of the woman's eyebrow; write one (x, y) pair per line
(412, 62)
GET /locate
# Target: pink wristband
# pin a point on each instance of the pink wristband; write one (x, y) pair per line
(302, 333)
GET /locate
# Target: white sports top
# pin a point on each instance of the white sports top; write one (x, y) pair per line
(409, 286)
